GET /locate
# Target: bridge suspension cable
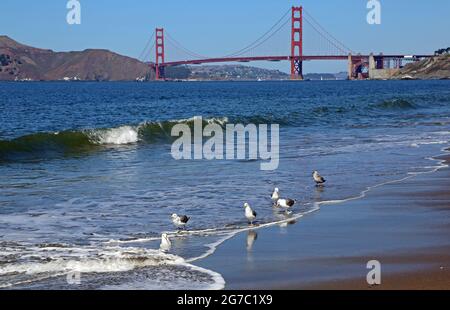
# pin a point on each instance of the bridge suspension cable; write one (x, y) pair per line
(262, 39)
(316, 26)
(147, 49)
(179, 46)
(280, 23)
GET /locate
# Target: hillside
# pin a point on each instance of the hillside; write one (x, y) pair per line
(240, 72)
(326, 76)
(434, 68)
(20, 62)
(234, 72)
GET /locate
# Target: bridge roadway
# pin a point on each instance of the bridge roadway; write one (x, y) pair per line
(285, 58)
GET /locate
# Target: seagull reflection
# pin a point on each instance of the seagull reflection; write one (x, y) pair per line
(319, 190)
(285, 217)
(251, 238)
(286, 224)
(180, 240)
(318, 193)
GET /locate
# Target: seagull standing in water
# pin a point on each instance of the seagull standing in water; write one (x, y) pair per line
(180, 221)
(165, 243)
(276, 194)
(318, 179)
(249, 213)
(285, 203)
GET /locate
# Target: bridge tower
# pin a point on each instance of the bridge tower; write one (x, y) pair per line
(160, 56)
(297, 44)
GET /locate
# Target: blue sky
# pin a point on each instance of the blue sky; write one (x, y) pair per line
(215, 28)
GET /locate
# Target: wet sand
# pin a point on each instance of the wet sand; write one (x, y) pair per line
(404, 225)
(431, 279)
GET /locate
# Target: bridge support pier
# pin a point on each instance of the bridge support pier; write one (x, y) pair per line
(350, 67)
(159, 73)
(372, 63)
(297, 72)
(356, 64)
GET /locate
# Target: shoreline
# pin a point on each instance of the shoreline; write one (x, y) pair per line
(331, 251)
(210, 81)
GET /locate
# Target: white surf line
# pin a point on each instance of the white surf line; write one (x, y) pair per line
(169, 233)
(212, 248)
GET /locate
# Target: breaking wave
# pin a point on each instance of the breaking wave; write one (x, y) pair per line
(43, 145)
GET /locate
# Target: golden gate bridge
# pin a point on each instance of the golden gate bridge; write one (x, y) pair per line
(321, 45)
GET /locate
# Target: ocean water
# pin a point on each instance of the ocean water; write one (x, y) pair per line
(88, 184)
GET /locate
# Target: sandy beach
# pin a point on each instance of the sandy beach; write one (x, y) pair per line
(404, 225)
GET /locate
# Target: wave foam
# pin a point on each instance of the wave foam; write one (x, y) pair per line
(115, 136)
(127, 266)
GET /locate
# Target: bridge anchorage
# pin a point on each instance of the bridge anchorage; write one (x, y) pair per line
(359, 66)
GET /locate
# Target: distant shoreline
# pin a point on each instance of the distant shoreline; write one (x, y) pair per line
(22, 63)
(218, 81)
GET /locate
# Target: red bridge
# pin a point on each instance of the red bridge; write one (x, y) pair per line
(296, 18)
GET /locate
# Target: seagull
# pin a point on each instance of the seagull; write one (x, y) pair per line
(285, 203)
(180, 221)
(249, 213)
(276, 194)
(318, 178)
(165, 243)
